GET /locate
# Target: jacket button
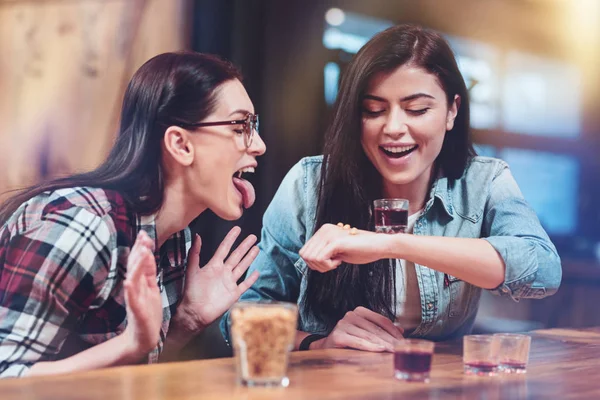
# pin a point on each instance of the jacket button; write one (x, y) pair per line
(429, 306)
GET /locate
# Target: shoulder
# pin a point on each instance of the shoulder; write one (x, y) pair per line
(305, 174)
(297, 194)
(68, 207)
(483, 169)
(479, 175)
(310, 167)
(312, 161)
(97, 201)
(469, 194)
(72, 228)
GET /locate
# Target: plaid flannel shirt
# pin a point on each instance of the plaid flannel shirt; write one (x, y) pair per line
(63, 258)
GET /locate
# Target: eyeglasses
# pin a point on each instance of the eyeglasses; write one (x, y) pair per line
(250, 125)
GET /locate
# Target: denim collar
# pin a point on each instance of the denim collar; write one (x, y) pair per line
(440, 190)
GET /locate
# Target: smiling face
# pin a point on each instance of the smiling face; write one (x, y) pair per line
(213, 178)
(405, 116)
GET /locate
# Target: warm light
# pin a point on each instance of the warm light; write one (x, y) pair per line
(583, 19)
(335, 16)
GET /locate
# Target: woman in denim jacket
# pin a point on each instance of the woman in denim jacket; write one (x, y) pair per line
(400, 129)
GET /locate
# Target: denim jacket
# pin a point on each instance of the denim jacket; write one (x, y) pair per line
(484, 203)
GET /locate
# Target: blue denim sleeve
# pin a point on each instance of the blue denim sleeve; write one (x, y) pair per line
(282, 236)
(533, 268)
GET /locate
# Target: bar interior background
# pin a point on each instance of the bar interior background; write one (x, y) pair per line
(533, 67)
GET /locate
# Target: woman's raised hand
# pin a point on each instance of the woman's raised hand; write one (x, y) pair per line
(211, 290)
(142, 297)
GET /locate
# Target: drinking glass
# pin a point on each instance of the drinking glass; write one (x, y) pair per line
(263, 335)
(480, 355)
(412, 360)
(513, 352)
(391, 215)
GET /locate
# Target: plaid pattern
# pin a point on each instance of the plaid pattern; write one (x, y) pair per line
(63, 258)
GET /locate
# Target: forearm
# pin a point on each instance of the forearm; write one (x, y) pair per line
(181, 331)
(114, 352)
(471, 260)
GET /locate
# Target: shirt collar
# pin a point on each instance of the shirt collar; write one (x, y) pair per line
(440, 190)
(173, 252)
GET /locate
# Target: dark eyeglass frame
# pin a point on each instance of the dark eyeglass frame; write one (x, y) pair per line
(250, 125)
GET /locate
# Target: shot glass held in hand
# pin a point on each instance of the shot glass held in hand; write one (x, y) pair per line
(391, 215)
(513, 353)
(262, 336)
(480, 355)
(412, 360)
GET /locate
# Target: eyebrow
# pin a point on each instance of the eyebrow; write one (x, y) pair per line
(240, 111)
(406, 98)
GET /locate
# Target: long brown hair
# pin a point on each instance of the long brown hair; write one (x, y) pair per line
(169, 89)
(349, 181)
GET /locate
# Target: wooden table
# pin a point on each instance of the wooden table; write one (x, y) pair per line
(563, 364)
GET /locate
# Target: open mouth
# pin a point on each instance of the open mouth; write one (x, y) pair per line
(244, 186)
(398, 151)
(243, 173)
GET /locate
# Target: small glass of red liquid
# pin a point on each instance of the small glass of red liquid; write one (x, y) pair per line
(480, 355)
(391, 215)
(514, 352)
(412, 360)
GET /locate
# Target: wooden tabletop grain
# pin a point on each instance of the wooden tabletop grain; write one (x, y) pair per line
(564, 363)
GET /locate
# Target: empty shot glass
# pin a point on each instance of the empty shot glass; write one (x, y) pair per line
(263, 335)
(480, 355)
(513, 352)
(412, 360)
(391, 215)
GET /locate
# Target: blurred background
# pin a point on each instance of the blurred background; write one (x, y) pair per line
(532, 66)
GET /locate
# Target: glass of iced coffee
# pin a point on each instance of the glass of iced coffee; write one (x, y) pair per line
(262, 336)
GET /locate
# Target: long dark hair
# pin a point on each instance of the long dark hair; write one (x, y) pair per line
(349, 181)
(169, 89)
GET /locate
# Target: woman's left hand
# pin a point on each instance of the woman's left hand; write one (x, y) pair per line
(331, 245)
(211, 290)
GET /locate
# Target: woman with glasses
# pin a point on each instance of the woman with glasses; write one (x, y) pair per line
(400, 129)
(99, 269)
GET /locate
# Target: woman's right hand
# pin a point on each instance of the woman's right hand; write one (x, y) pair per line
(331, 245)
(142, 297)
(362, 329)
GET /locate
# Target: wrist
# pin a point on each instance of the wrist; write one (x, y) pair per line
(393, 245)
(129, 350)
(185, 324)
(187, 319)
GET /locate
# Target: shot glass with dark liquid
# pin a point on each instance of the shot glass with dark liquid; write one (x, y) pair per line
(480, 355)
(412, 360)
(513, 353)
(391, 215)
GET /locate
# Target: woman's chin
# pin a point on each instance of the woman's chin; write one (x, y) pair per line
(398, 178)
(231, 213)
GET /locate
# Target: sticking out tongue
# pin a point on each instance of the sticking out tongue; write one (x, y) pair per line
(247, 191)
